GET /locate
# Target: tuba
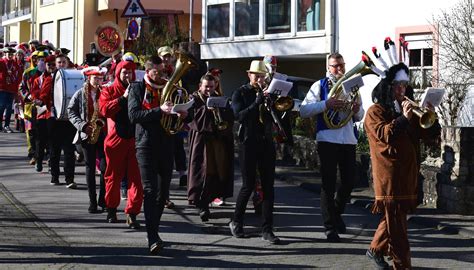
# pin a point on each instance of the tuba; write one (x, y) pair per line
(175, 94)
(331, 117)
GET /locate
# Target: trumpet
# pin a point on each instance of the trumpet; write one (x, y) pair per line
(427, 117)
(219, 122)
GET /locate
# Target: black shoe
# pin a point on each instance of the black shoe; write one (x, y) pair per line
(132, 222)
(333, 237)
(270, 237)
(156, 247)
(169, 204)
(54, 181)
(183, 180)
(93, 209)
(340, 225)
(236, 230)
(378, 260)
(112, 215)
(39, 166)
(205, 214)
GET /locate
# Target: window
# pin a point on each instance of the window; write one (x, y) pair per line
(46, 2)
(47, 32)
(218, 21)
(278, 16)
(309, 15)
(246, 17)
(66, 34)
(421, 60)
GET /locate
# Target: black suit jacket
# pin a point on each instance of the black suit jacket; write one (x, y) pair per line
(246, 111)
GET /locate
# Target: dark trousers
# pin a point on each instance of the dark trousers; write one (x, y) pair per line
(257, 156)
(41, 138)
(61, 135)
(6, 102)
(179, 153)
(332, 156)
(156, 169)
(91, 152)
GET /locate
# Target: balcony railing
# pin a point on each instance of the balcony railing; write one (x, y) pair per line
(24, 8)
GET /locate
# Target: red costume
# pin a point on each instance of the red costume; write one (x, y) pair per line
(120, 151)
(10, 76)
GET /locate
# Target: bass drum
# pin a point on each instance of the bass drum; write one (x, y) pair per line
(66, 83)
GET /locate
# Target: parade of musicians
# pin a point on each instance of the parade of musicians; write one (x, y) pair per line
(144, 125)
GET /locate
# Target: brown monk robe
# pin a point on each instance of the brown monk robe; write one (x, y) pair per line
(211, 152)
(394, 140)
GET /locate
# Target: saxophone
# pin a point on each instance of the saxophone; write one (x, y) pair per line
(96, 123)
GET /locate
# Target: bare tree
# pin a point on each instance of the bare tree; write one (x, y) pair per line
(453, 34)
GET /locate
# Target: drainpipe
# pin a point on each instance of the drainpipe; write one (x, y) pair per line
(191, 11)
(334, 27)
(74, 36)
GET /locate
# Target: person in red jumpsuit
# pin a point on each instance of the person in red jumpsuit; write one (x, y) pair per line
(119, 147)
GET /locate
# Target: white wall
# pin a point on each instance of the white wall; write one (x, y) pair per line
(365, 23)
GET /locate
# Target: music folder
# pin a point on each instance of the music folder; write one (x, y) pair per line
(217, 102)
(433, 96)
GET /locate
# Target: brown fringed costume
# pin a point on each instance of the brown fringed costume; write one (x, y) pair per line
(394, 142)
(211, 155)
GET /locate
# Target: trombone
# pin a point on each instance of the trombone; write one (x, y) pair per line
(427, 117)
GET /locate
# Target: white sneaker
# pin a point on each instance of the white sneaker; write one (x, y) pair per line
(71, 185)
(7, 130)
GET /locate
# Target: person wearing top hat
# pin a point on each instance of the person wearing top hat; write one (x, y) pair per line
(10, 77)
(256, 150)
(83, 106)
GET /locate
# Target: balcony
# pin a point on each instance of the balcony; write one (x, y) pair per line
(23, 8)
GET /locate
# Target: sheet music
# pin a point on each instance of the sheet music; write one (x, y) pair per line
(279, 87)
(354, 83)
(217, 102)
(182, 107)
(432, 95)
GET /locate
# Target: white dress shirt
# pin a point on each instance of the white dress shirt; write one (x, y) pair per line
(313, 105)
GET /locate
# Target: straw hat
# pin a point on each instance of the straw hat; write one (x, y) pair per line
(258, 67)
(162, 51)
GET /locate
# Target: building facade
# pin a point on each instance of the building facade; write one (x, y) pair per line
(302, 33)
(72, 23)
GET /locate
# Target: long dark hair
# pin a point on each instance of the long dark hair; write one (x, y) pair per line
(382, 93)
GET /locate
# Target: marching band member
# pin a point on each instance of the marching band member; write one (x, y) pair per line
(166, 55)
(393, 133)
(61, 133)
(83, 112)
(10, 76)
(257, 151)
(119, 146)
(336, 148)
(42, 117)
(211, 149)
(29, 75)
(154, 146)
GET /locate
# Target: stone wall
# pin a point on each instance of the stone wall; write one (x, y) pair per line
(303, 152)
(455, 181)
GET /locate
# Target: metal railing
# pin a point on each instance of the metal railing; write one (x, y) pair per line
(8, 12)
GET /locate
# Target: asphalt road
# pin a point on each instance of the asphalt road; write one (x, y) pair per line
(48, 227)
